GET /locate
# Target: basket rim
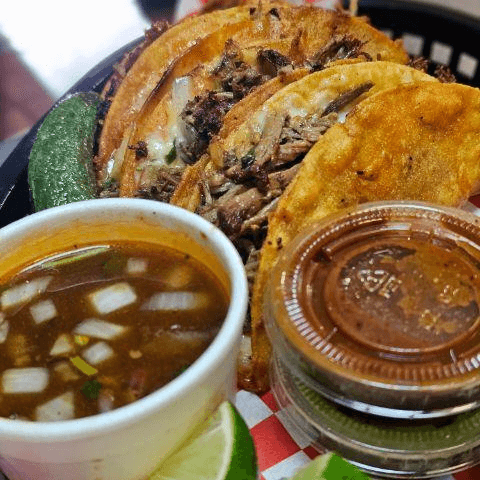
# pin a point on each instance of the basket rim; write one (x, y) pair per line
(432, 10)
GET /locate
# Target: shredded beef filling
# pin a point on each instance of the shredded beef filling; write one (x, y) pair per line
(442, 72)
(346, 98)
(338, 48)
(202, 117)
(141, 150)
(239, 198)
(235, 75)
(285, 141)
(163, 186)
(272, 62)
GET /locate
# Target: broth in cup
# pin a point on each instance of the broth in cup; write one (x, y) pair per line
(141, 306)
(95, 328)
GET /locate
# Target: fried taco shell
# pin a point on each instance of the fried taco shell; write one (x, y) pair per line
(417, 142)
(187, 106)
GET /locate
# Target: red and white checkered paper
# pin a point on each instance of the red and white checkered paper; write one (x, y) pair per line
(282, 449)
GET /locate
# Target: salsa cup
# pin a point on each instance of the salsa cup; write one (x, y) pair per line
(126, 443)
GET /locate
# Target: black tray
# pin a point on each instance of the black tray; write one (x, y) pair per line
(431, 25)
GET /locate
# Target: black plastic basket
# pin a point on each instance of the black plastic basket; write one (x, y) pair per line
(439, 34)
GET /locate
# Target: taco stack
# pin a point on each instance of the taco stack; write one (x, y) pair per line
(160, 128)
(244, 115)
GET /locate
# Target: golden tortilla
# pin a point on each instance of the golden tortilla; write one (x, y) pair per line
(412, 142)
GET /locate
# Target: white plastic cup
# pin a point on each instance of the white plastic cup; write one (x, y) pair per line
(126, 443)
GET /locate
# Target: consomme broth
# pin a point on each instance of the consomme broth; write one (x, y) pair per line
(87, 331)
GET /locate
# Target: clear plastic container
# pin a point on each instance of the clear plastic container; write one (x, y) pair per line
(382, 447)
(378, 309)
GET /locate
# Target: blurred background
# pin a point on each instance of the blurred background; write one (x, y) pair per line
(45, 47)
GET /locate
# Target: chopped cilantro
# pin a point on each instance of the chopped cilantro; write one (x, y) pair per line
(115, 264)
(91, 389)
(109, 184)
(171, 155)
(180, 371)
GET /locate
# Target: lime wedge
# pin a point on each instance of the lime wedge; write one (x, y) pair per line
(222, 450)
(330, 467)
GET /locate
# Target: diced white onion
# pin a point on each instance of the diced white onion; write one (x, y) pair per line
(18, 348)
(181, 93)
(59, 408)
(168, 301)
(93, 327)
(66, 372)
(97, 353)
(43, 311)
(24, 292)
(136, 266)
(113, 297)
(245, 353)
(116, 161)
(170, 344)
(63, 344)
(4, 327)
(179, 277)
(106, 400)
(25, 380)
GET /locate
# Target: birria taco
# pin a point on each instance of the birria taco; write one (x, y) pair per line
(140, 75)
(411, 142)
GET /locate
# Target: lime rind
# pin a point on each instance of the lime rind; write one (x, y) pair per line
(226, 411)
(222, 449)
(330, 466)
(243, 464)
(339, 468)
(315, 468)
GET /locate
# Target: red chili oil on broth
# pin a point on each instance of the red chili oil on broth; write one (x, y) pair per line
(94, 329)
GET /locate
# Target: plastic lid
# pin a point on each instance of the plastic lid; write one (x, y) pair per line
(378, 308)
